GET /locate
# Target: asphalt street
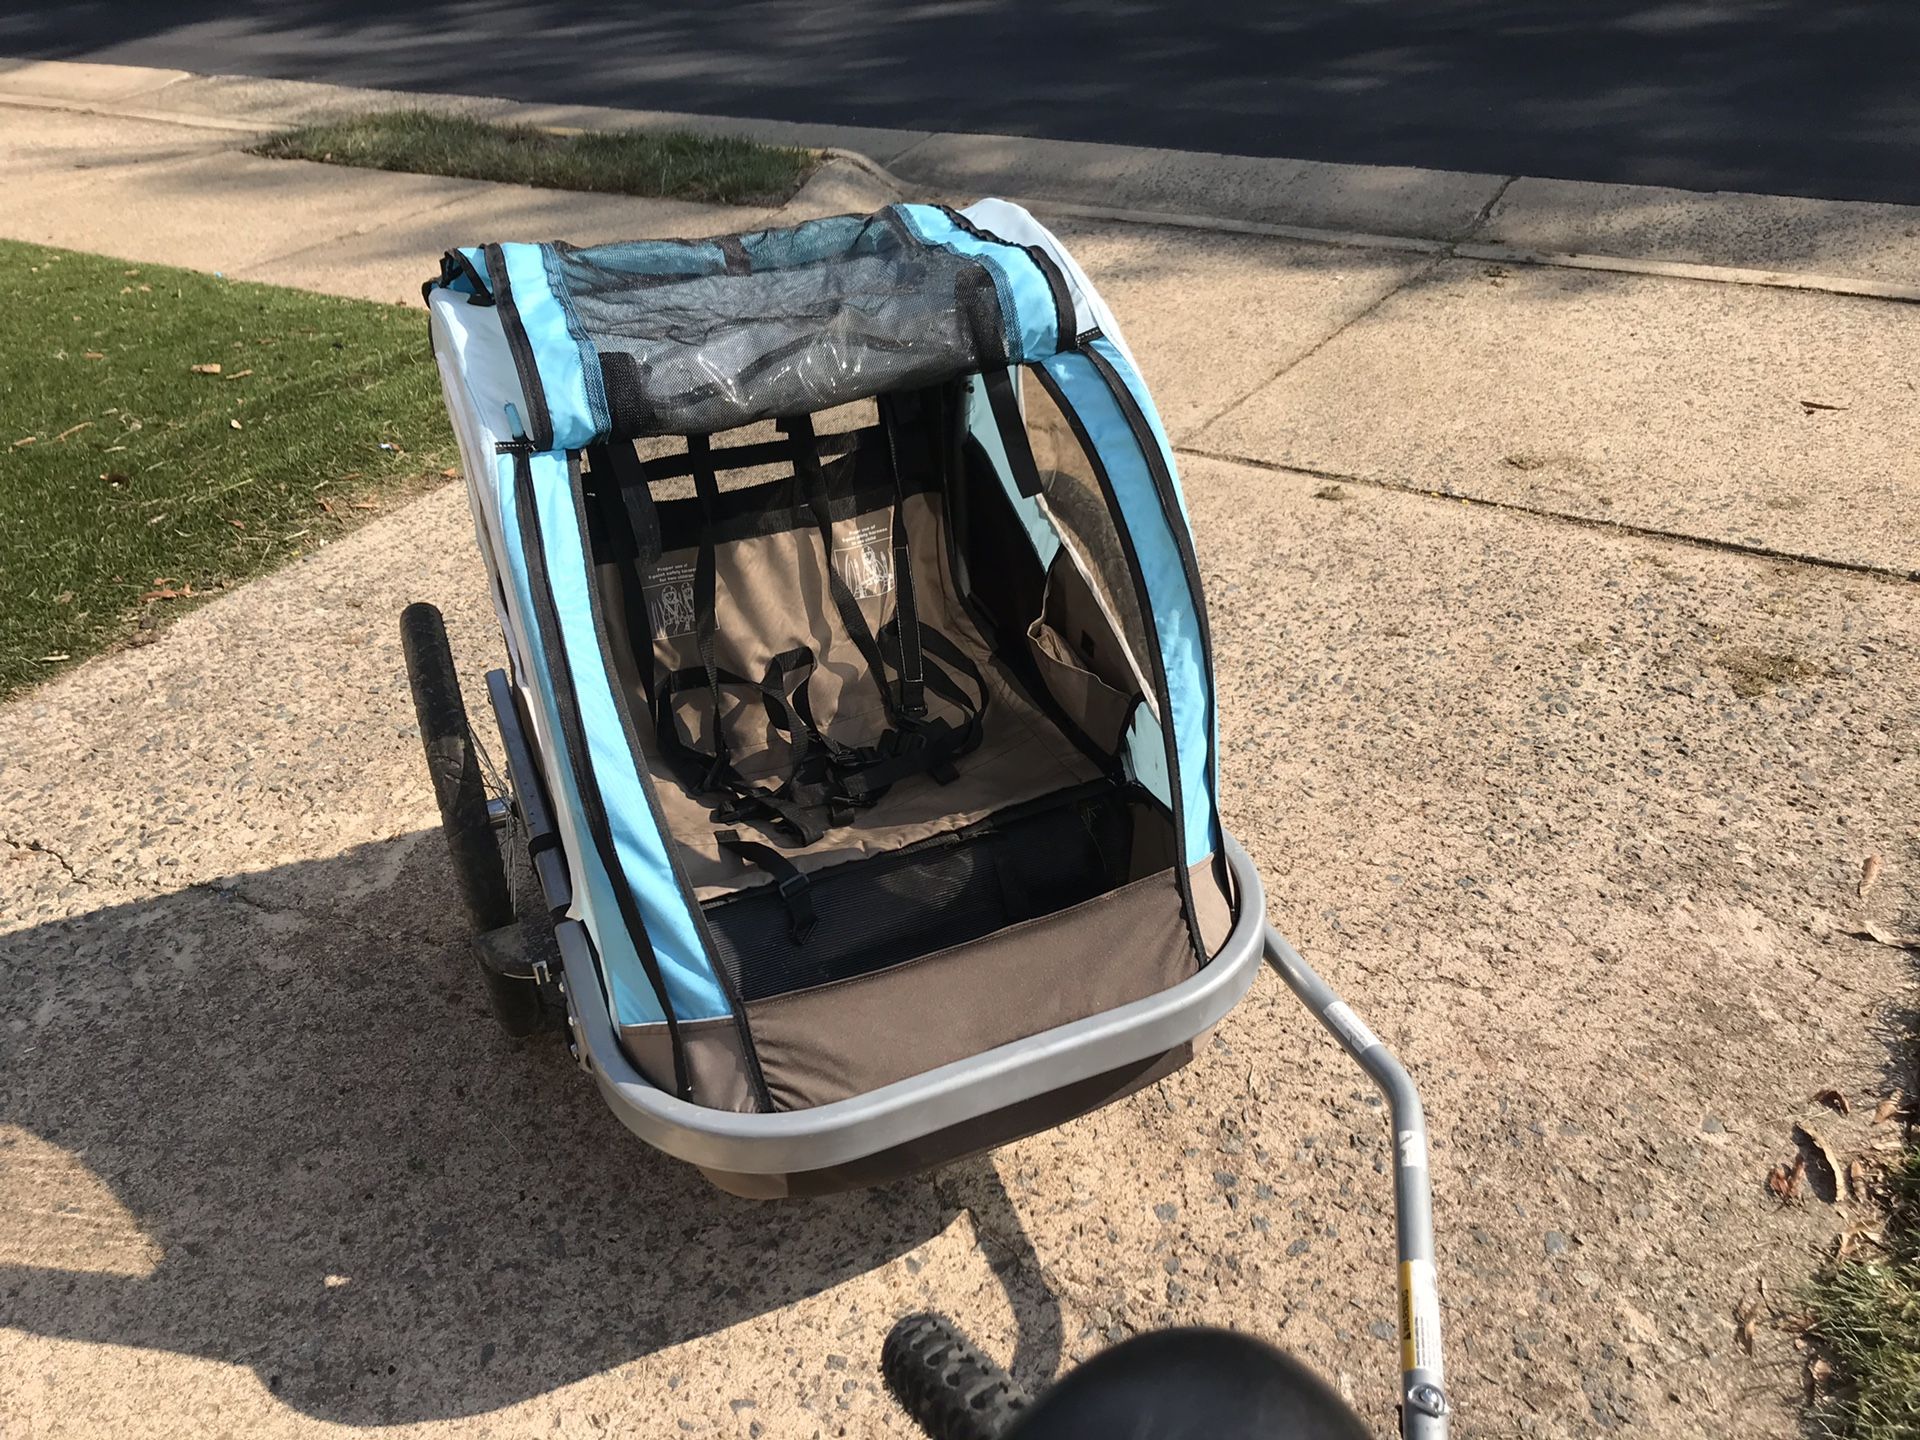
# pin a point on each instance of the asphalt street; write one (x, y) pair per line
(1805, 97)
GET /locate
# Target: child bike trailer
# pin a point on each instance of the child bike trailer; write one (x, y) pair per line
(858, 718)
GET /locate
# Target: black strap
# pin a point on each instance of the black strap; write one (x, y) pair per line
(813, 483)
(906, 610)
(630, 513)
(788, 882)
(705, 599)
(1013, 430)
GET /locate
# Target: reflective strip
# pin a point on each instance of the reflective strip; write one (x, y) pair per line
(691, 984)
(1175, 622)
(1026, 299)
(557, 353)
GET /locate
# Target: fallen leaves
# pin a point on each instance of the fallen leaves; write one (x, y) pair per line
(1869, 873)
(168, 592)
(212, 367)
(1887, 1109)
(1784, 1182)
(234, 423)
(1857, 1178)
(1809, 406)
(1807, 1136)
(1746, 1319)
(1832, 1099)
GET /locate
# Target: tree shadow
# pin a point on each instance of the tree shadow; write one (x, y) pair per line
(269, 1122)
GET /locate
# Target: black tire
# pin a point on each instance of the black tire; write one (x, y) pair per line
(454, 767)
(951, 1390)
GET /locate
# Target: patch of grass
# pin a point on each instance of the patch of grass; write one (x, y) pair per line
(130, 486)
(716, 169)
(1867, 1320)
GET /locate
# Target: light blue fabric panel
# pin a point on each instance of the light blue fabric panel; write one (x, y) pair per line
(1175, 621)
(985, 429)
(690, 981)
(1137, 387)
(556, 350)
(1146, 752)
(1026, 300)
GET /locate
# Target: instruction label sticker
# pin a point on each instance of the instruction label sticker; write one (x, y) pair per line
(1419, 1318)
(1413, 1149)
(865, 560)
(669, 595)
(1351, 1027)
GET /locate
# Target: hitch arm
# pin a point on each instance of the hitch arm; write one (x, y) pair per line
(1423, 1396)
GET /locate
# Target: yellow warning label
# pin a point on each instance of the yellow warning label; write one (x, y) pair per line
(1419, 1317)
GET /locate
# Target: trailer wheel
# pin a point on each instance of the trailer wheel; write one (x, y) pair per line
(951, 1390)
(453, 765)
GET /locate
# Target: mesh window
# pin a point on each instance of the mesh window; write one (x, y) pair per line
(883, 912)
(699, 338)
(1074, 497)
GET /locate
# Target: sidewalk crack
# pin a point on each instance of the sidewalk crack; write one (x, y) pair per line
(36, 847)
(1486, 210)
(1617, 527)
(1325, 340)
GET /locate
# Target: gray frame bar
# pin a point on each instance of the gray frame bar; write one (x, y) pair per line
(1424, 1409)
(849, 1130)
(852, 1129)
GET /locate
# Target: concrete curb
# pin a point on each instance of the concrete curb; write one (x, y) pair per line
(1831, 246)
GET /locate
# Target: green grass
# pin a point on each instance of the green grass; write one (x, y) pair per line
(131, 486)
(1867, 1320)
(712, 168)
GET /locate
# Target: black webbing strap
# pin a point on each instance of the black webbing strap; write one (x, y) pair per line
(637, 497)
(1013, 430)
(785, 807)
(813, 483)
(705, 600)
(616, 467)
(788, 883)
(906, 610)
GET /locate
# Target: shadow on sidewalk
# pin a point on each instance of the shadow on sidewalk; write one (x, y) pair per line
(270, 1123)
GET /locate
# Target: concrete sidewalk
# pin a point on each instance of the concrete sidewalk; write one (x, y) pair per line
(1569, 787)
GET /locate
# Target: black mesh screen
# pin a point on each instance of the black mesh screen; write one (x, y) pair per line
(882, 912)
(696, 338)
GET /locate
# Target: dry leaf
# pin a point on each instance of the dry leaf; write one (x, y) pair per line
(1885, 937)
(449, 473)
(212, 367)
(234, 423)
(1745, 1336)
(1857, 1178)
(238, 525)
(1869, 873)
(1887, 1109)
(1784, 1183)
(1748, 1307)
(93, 355)
(366, 505)
(1832, 1099)
(1812, 405)
(1818, 1372)
(1806, 1136)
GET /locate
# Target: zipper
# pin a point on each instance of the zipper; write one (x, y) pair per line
(539, 417)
